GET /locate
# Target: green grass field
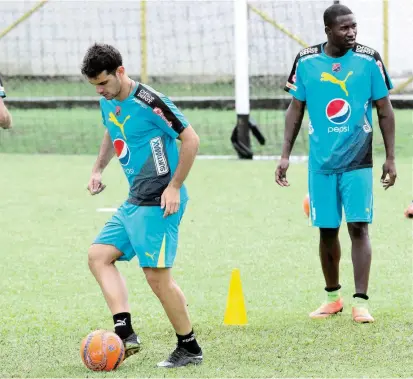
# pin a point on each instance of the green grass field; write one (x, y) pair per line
(79, 131)
(237, 218)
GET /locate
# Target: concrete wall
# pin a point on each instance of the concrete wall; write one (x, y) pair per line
(185, 37)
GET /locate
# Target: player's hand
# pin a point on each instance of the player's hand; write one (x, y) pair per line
(95, 185)
(389, 173)
(170, 200)
(280, 172)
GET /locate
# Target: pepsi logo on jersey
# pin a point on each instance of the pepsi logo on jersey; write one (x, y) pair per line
(338, 111)
(338, 129)
(122, 151)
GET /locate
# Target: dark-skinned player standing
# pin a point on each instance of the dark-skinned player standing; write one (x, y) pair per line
(338, 81)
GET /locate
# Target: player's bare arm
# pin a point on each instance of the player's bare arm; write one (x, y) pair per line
(387, 126)
(5, 116)
(106, 153)
(170, 199)
(293, 120)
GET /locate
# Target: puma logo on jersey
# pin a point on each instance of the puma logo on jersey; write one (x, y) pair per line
(326, 77)
(121, 126)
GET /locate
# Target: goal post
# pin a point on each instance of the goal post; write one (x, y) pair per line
(240, 137)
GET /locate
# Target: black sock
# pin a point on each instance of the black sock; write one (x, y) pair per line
(189, 343)
(123, 325)
(361, 296)
(332, 289)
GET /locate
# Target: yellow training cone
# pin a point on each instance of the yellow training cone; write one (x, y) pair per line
(235, 313)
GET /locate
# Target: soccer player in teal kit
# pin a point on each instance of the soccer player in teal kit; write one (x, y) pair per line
(142, 126)
(339, 81)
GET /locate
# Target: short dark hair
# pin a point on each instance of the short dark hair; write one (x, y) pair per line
(101, 57)
(334, 11)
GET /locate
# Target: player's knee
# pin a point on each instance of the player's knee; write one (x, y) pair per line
(99, 255)
(93, 257)
(328, 234)
(158, 280)
(358, 230)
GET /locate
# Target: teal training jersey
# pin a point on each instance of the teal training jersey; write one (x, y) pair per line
(143, 129)
(339, 93)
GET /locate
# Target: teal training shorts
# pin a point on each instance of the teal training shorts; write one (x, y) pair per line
(329, 194)
(142, 231)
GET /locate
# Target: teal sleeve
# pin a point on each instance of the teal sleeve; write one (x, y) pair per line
(295, 84)
(381, 83)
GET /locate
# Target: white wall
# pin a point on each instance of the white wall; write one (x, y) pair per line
(185, 37)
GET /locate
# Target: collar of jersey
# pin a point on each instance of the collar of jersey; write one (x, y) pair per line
(130, 95)
(332, 58)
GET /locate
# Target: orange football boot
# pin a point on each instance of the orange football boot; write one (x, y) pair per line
(328, 309)
(409, 211)
(361, 315)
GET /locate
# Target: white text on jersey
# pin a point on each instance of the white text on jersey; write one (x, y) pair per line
(161, 164)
